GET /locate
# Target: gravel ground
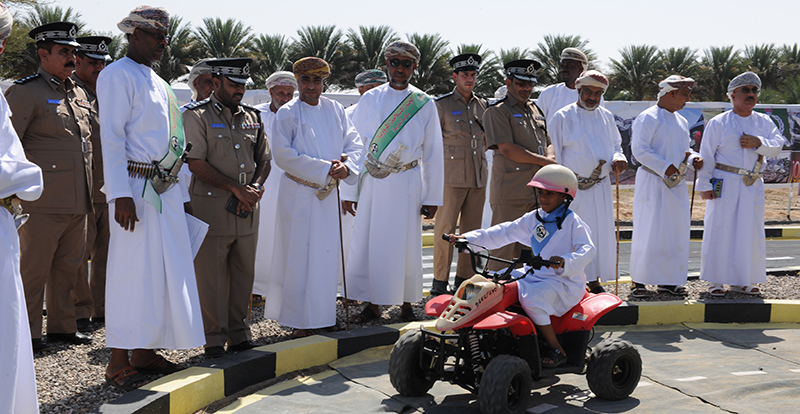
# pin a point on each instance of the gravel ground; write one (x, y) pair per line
(71, 378)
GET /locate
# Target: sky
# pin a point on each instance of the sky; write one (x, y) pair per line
(608, 25)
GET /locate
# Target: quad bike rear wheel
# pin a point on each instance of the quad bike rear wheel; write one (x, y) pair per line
(505, 386)
(405, 372)
(615, 368)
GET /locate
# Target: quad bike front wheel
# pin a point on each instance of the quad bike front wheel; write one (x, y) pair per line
(405, 371)
(614, 369)
(505, 386)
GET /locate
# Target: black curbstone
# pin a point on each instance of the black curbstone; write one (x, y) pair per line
(244, 369)
(355, 341)
(137, 402)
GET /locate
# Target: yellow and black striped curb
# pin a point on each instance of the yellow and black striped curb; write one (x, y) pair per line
(696, 233)
(194, 388)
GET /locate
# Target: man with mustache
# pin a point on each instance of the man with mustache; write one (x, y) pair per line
(516, 131)
(229, 163)
(584, 133)
(465, 169)
(151, 290)
(404, 179)
(554, 97)
(92, 57)
(734, 143)
(52, 117)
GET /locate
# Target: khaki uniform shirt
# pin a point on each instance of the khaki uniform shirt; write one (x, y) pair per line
(235, 144)
(464, 144)
(97, 147)
(521, 123)
(53, 121)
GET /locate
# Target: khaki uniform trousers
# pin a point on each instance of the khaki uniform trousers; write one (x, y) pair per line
(225, 268)
(500, 214)
(90, 289)
(468, 202)
(52, 252)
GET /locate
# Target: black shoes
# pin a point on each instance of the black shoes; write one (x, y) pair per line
(76, 338)
(439, 287)
(84, 325)
(242, 346)
(40, 345)
(214, 351)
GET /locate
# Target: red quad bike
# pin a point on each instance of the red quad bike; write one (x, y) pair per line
(494, 351)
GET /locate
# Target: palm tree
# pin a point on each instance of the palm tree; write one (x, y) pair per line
(271, 54)
(230, 38)
(328, 43)
(433, 69)
(679, 61)
(790, 61)
(181, 51)
(514, 53)
(490, 72)
(549, 55)
(44, 14)
(723, 64)
(368, 45)
(636, 73)
(790, 91)
(764, 60)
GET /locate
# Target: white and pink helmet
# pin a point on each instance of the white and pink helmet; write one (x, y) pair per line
(556, 178)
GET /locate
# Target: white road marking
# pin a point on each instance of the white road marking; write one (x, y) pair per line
(643, 384)
(795, 370)
(780, 258)
(691, 379)
(743, 373)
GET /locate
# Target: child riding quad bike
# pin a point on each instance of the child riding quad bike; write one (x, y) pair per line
(495, 350)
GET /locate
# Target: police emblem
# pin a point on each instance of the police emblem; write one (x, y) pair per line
(530, 69)
(540, 232)
(246, 69)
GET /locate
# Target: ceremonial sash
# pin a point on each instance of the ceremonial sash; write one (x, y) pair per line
(545, 229)
(175, 150)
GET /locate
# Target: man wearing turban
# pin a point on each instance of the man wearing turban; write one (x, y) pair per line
(660, 140)
(151, 289)
(584, 135)
(554, 97)
(404, 180)
(316, 146)
(735, 143)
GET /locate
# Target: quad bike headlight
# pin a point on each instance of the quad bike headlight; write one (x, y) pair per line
(469, 291)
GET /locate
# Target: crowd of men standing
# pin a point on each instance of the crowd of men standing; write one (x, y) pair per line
(108, 166)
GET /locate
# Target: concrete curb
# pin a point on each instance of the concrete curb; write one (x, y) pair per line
(696, 233)
(198, 386)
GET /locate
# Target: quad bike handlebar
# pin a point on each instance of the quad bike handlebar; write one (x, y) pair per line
(478, 263)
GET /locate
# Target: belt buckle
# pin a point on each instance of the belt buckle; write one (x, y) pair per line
(243, 178)
(474, 143)
(84, 146)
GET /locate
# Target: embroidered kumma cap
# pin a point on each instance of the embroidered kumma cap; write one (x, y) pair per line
(371, 77)
(402, 49)
(311, 66)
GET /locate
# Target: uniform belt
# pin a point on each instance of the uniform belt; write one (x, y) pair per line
(58, 145)
(458, 142)
(585, 183)
(142, 169)
(322, 190)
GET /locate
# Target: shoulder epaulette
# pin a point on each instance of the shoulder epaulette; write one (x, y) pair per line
(250, 107)
(197, 104)
(497, 101)
(444, 96)
(26, 80)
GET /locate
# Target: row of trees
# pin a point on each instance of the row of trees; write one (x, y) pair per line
(633, 76)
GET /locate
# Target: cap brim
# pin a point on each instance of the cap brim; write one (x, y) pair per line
(241, 81)
(97, 56)
(525, 77)
(66, 42)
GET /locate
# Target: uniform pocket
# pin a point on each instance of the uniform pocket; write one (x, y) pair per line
(455, 165)
(59, 181)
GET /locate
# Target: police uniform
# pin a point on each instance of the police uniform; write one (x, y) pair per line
(52, 119)
(521, 123)
(90, 290)
(465, 173)
(234, 143)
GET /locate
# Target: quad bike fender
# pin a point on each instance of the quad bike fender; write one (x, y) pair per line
(437, 305)
(585, 314)
(519, 325)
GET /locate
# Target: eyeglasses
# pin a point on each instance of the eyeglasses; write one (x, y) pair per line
(746, 89)
(397, 62)
(158, 36)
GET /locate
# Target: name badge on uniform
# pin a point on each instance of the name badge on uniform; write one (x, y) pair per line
(54, 101)
(455, 113)
(517, 115)
(217, 125)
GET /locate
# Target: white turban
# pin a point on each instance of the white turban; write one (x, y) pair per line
(199, 68)
(674, 82)
(745, 79)
(6, 21)
(592, 78)
(281, 78)
(572, 53)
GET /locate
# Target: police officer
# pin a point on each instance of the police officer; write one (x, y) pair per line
(516, 130)
(52, 117)
(465, 169)
(91, 57)
(229, 162)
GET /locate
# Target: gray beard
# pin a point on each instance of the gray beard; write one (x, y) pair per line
(400, 85)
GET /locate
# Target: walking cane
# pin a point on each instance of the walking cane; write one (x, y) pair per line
(341, 249)
(616, 286)
(691, 206)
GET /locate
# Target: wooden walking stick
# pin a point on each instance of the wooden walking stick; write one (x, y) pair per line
(341, 249)
(616, 285)
(691, 205)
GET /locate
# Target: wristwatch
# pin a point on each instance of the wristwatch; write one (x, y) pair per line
(257, 186)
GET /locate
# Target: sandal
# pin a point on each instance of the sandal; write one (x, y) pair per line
(676, 290)
(301, 333)
(747, 290)
(716, 290)
(408, 315)
(639, 291)
(159, 366)
(366, 315)
(558, 359)
(126, 379)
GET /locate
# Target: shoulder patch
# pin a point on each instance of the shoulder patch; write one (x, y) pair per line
(26, 80)
(197, 104)
(444, 96)
(258, 111)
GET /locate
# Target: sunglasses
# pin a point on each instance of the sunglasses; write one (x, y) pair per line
(158, 36)
(754, 89)
(397, 62)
